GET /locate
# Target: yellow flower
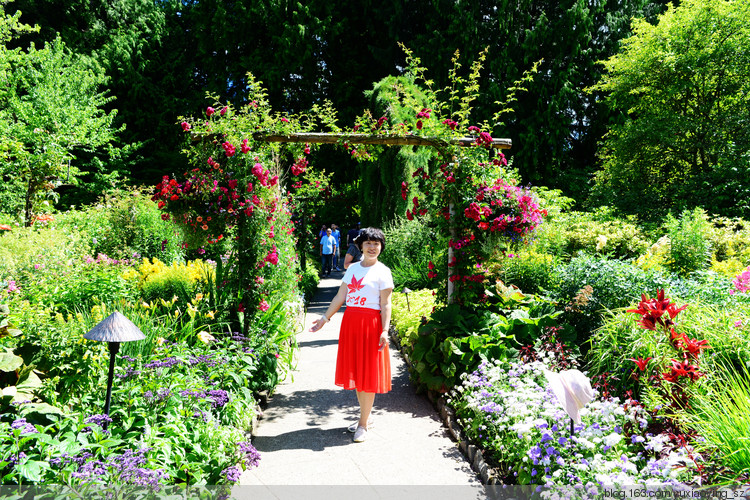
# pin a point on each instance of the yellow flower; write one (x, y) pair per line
(210, 314)
(176, 313)
(160, 341)
(145, 305)
(205, 337)
(199, 297)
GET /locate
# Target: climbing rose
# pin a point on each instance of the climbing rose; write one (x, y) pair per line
(185, 126)
(263, 306)
(209, 111)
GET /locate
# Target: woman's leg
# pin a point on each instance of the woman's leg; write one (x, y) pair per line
(366, 400)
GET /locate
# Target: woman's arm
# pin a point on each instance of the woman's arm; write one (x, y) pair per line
(348, 258)
(385, 316)
(336, 304)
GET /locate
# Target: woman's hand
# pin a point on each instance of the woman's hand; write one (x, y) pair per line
(383, 341)
(319, 323)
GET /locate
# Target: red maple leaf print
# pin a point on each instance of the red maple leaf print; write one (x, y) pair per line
(356, 285)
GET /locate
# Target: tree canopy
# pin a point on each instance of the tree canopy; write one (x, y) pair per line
(682, 88)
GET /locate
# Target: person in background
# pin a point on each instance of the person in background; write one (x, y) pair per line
(352, 234)
(327, 249)
(337, 235)
(322, 231)
(352, 254)
(363, 361)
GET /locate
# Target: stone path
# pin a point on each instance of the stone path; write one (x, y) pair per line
(302, 435)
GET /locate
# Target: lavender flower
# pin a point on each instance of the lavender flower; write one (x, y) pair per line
(22, 425)
(218, 397)
(251, 455)
(100, 420)
(166, 363)
(232, 474)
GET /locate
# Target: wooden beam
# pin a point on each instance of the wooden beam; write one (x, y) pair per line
(384, 140)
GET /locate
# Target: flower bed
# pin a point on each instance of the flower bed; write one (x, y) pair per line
(526, 434)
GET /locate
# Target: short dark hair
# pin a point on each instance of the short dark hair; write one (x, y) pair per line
(370, 234)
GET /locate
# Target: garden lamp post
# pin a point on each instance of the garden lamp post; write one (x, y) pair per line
(406, 293)
(114, 329)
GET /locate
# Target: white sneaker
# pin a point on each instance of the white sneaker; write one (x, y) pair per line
(353, 427)
(360, 435)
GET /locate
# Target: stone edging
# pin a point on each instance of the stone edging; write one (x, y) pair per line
(471, 451)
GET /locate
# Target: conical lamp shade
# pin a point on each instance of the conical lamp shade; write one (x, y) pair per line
(115, 328)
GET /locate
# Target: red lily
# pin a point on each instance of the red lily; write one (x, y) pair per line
(640, 362)
(694, 346)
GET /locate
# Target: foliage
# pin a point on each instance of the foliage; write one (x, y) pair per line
(598, 232)
(455, 339)
(411, 246)
(125, 225)
(682, 86)
(509, 407)
(469, 194)
(410, 310)
(309, 281)
(52, 106)
(721, 418)
(729, 239)
(528, 269)
(725, 328)
(689, 249)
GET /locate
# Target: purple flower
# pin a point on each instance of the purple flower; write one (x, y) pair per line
(100, 420)
(166, 363)
(22, 425)
(232, 474)
(251, 455)
(218, 397)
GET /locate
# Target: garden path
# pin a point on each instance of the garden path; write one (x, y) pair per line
(302, 437)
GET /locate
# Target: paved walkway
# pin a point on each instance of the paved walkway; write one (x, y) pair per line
(302, 436)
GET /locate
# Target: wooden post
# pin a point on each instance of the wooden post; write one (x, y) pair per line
(451, 253)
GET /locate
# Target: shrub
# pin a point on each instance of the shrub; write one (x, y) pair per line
(529, 270)
(409, 247)
(309, 281)
(689, 247)
(127, 225)
(729, 239)
(616, 284)
(598, 232)
(409, 312)
(157, 280)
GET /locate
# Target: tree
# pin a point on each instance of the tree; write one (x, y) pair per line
(555, 125)
(51, 108)
(682, 87)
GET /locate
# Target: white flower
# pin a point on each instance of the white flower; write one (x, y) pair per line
(612, 439)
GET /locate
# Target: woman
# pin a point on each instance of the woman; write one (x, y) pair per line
(363, 361)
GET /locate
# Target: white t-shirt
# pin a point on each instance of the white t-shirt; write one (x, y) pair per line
(365, 284)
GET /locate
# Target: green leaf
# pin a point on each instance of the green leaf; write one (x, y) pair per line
(9, 362)
(32, 470)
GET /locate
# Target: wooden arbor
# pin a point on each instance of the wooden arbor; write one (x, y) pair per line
(385, 140)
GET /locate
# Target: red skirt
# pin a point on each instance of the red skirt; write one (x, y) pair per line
(359, 364)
